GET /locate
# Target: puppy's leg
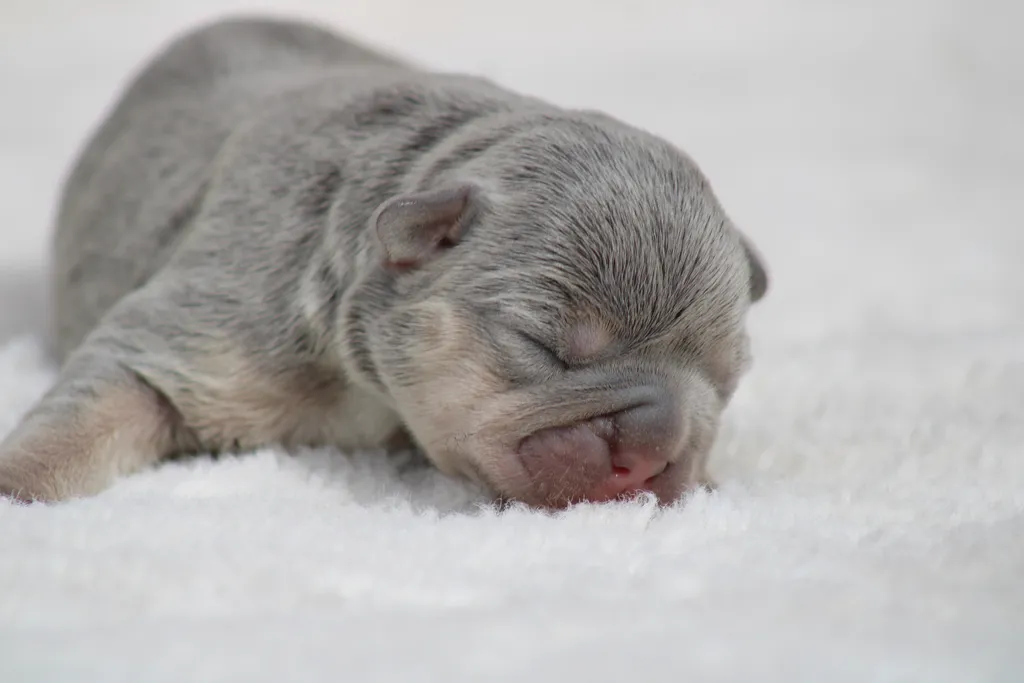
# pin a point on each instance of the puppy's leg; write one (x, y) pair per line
(101, 420)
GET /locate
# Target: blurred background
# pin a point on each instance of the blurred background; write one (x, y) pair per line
(832, 131)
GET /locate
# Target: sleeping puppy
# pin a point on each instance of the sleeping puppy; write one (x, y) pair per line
(279, 236)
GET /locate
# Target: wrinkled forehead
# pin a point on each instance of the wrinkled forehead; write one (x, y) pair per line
(630, 269)
(591, 221)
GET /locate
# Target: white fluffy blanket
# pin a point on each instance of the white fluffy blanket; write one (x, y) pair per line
(870, 524)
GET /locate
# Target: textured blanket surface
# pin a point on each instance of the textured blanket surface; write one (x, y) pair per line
(870, 522)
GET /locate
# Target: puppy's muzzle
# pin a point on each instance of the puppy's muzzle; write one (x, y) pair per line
(619, 453)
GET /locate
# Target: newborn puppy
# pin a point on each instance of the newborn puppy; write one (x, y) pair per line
(279, 236)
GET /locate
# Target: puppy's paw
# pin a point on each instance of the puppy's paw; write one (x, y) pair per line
(81, 437)
(35, 462)
(24, 484)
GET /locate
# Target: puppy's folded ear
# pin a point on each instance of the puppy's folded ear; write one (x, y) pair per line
(411, 228)
(758, 272)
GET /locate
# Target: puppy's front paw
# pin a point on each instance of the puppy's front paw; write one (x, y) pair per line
(25, 481)
(96, 424)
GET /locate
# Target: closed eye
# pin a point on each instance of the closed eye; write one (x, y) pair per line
(542, 349)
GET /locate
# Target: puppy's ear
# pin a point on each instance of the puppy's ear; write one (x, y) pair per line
(411, 228)
(758, 272)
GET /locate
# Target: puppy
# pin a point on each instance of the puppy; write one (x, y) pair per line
(280, 236)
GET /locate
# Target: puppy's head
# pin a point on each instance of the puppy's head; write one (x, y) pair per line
(561, 317)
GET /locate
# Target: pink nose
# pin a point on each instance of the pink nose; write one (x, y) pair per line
(634, 476)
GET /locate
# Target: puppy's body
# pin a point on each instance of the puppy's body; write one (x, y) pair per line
(280, 236)
(219, 170)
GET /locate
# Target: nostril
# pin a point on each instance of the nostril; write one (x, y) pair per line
(637, 470)
(636, 474)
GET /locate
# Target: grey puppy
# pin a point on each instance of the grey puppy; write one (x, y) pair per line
(280, 236)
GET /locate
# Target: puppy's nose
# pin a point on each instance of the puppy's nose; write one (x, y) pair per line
(643, 440)
(626, 478)
(650, 428)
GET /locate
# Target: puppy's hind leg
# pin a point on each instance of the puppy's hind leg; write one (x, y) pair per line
(100, 421)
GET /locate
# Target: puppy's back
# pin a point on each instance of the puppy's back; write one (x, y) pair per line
(236, 49)
(141, 177)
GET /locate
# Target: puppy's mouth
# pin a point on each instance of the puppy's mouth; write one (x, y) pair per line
(588, 462)
(590, 438)
(631, 487)
(667, 487)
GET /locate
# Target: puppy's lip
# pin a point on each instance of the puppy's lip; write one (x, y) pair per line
(663, 485)
(520, 484)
